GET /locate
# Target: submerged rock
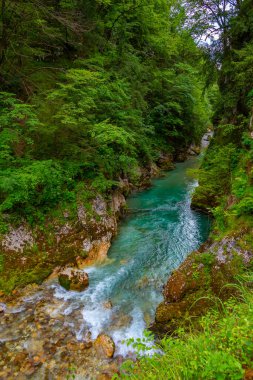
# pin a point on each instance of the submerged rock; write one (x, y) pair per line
(104, 346)
(121, 321)
(108, 304)
(73, 279)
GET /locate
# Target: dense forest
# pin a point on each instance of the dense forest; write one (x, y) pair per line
(92, 92)
(218, 345)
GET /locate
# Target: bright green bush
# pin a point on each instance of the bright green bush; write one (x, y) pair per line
(108, 114)
(222, 349)
(41, 184)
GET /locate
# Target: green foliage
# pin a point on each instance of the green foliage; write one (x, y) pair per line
(102, 185)
(65, 282)
(225, 177)
(72, 372)
(206, 258)
(222, 349)
(39, 185)
(18, 122)
(21, 277)
(181, 113)
(108, 86)
(215, 176)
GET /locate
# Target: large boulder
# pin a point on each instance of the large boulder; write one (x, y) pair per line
(73, 279)
(104, 346)
(167, 312)
(200, 279)
(188, 278)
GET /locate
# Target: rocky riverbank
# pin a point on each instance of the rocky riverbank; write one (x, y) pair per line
(43, 335)
(204, 277)
(209, 275)
(76, 235)
(37, 340)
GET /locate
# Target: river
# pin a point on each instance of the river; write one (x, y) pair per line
(156, 236)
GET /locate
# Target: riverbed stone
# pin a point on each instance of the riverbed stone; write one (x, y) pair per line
(108, 304)
(104, 346)
(73, 279)
(2, 309)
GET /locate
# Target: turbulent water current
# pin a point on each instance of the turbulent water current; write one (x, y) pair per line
(152, 241)
(156, 236)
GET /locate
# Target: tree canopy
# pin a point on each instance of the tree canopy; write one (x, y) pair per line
(91, 90)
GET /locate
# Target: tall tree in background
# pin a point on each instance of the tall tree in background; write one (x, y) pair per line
(224, 28)
(110, 84)
(36, 34)
(210, 20)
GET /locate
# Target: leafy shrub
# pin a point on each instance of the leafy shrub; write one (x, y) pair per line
(40, 184)
(221, 350)
(215, 175)
(205, 258)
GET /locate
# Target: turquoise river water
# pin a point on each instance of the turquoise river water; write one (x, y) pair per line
(152, 241)
(156, 236)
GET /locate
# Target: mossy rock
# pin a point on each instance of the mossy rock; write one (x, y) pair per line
(64, 281)
(73, 279)
(202, 201)
(167, 312)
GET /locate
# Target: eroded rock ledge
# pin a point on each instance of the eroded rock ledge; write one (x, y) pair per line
(74, 238)
(201, 279)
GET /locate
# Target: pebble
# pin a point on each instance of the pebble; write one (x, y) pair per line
(57, 348)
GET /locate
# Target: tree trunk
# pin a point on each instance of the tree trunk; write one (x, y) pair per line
(251, 121)
(3, 37)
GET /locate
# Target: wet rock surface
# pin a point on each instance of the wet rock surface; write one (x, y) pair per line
(44, 337)
(204, 273)
(37, 340)
(73, 279)
(104, 346)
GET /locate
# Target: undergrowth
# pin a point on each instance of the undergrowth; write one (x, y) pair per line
(221, 348)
